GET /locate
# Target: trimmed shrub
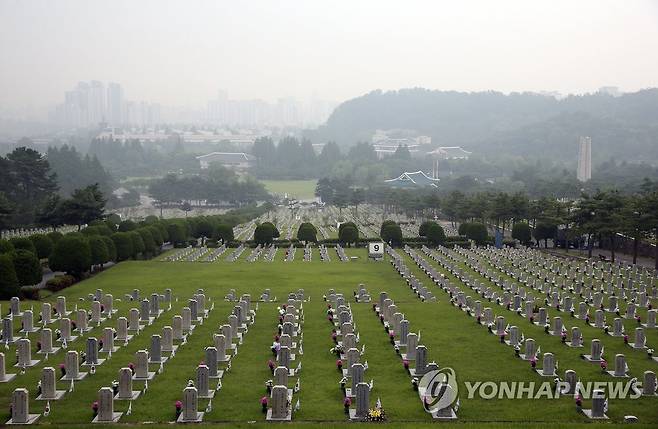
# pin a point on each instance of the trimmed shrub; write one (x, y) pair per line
(155, 233)
(123, 245)
(348, 235)
(127, 225)
(71, 254)
(435, 234)
(176, 232)
(264, 233)
(23, 243)
(147, 239)
(27, 266)
(138, 243)
(521, 231)
(203, 228)
(111, 248)
(6, 246)
(55, 236)
(8, 279)
(391, 233)
(99, 252)
(224, 232)
(43, 245)
(101, 229)
(475, 231)
(307, 232)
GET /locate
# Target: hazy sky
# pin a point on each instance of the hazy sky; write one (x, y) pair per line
(182, 52)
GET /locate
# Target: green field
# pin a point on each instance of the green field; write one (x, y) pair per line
(300, 189)
(452, 339)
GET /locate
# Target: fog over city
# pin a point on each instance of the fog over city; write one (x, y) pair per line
(179, 53)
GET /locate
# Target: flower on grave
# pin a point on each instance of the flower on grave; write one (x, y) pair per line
(179, 408)
(532, 319)
(374, 307)
(324, 297)
(579, 401)
(478, 319)
(650, 353)
(94, 408)
(533, 363)
(625, 339)
(339, 364)
(606, 329)
(397, 349)
(62, 369)
(639, 320)
(517, 350)
(650, 306)
(132, 367)
(405, 364)
(564, 337)
(502, 338)
(263, 403)
(38, 345)
(587, 319)
(604, 365)
(547, 327)
(414, 383)
(381, 318)
(346, 403)
(391, 334)
(490, 327)
(270, 365)
(334, 337)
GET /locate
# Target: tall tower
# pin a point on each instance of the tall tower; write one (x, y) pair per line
(584, 172)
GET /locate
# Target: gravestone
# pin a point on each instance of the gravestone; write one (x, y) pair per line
(280, 408)
(421, 362)
(122, 330)
(168, 339)
(4, 377)
(60, 307)
(212, 363)
(284, 357)
(571, 379)
(548, 366)
(46, 313)
(155, 351)
(8, 331)
(190, 413)
(72, 367)
(24, 349)
(530, 350)
(15, 307)
(81, 321)
(96, 314)
(220, 344)
(106, 412)
(640, 340)
(145, 312)
(203, 383)
(357, 377)
(620, 366)
(177, 328)
(595, 352)
(20, 409)
(362, 402)
(126, 392)
(142, 366)
(598, 406)
(186, 314)
(649, 383)
(28, 322)
(133, 320)
(412, 343)
(47, 342)
(91, 352)
(108, 341)
(281, 376)
(49, 390)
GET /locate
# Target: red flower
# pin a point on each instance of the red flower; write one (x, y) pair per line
(178, 405)
(405, 363)
(339, 364)
(263, 400)
(347, 401)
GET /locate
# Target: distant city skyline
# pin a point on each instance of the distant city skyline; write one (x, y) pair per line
(178, 53)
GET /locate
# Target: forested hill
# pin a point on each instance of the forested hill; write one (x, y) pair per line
(526, 124)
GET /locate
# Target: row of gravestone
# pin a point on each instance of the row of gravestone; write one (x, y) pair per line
(346, 339)
(286, 348)
(407, 345)
(531, 352)
(421, 291)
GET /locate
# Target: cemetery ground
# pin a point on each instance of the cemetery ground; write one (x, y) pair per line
(300, 189)
(452, 339)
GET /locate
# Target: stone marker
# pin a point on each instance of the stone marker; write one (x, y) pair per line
(72, 367)
(108, 341)
(421, 362)
(362, 402)
(91, 353)
(142, 366)
(28, 322)
(106, 412)
(155, 352)
(598, 406)
(280, 409)
(649, 383)
(4, 377)
(203, 383)
(24, 348)
(190, 407)
(49, 390)
(126, 392)
(20, 411)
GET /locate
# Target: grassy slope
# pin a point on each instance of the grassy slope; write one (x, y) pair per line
(453, 339)
(300, 189)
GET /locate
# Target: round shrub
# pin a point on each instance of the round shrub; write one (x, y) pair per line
(99, 252)
(6, 246)
(43, 244)
(123, 244)
(8, 280)
(147, 239)
(176, 232)
(111, 248)
(264, 233)
(391, 233)
(28, 268)
(23, 243)
(138, 243)
(224, 232)
(71, 254)
(307, 232)
(155, 233)
(203, 228)
(127, 225)
(435, 234)
(348, 234)
(55, 236)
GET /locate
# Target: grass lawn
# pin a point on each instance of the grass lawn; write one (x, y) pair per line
(452, 339)
(300, 189)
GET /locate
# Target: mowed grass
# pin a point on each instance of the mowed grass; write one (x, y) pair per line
(452, 338)
(300, 189)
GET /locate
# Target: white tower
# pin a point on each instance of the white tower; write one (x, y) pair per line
(584, 172)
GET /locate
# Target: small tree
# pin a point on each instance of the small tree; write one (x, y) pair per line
(475, 231)
(391, 233)
(71, 254)
(9, 286)
(435, 234)
(23, 243)
(55, 236)
(264, 233)
(176, 232)
(127, 225)
(5, 246)
(545, 230)
(99, 252)
(348, 235)
(224, 232)
(111, 248)
(521, 231)
(147, 238)
(123, 244)
(43, 245)
(28, 268)
(307, 232)
(422, 231)
(138, 243)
